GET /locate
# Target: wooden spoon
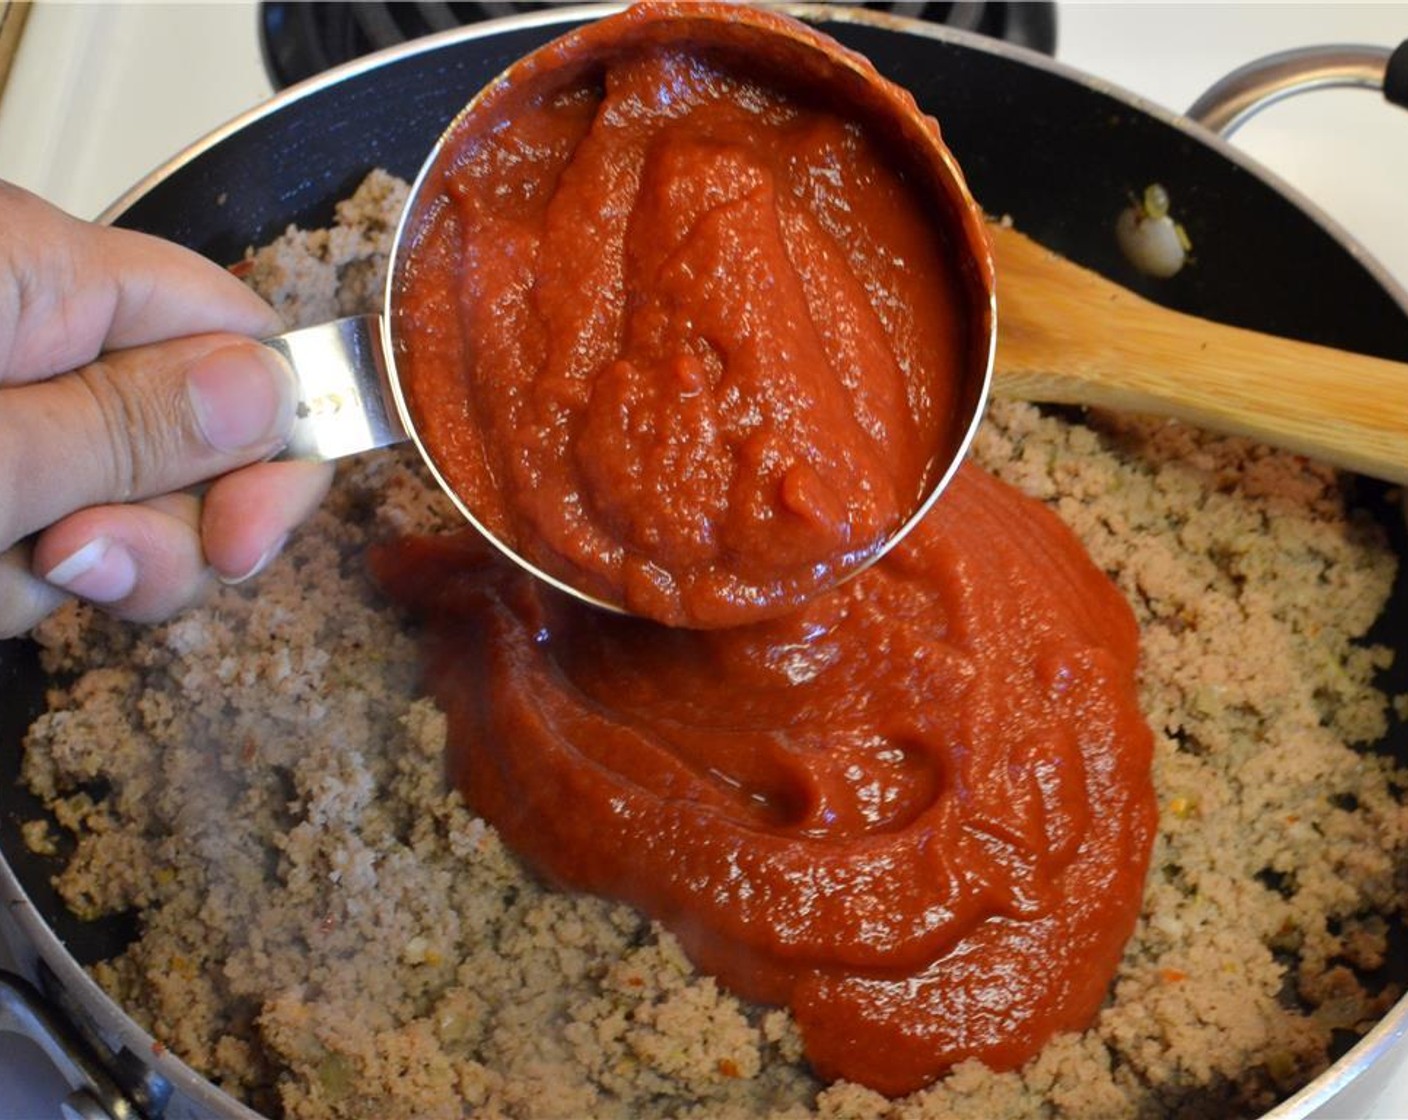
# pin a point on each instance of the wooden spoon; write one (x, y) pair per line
(1066, 335)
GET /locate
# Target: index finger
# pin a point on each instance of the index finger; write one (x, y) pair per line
(70, 290)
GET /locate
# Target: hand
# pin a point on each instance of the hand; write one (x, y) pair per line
(128, 373)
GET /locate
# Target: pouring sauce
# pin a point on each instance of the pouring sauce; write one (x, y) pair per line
(693, 337)
(917, 810)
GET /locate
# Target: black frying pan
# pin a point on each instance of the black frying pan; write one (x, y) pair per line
(1037, 141)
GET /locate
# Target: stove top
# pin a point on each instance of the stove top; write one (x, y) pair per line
(299, 39)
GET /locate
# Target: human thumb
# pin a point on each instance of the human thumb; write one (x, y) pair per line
(139, 423)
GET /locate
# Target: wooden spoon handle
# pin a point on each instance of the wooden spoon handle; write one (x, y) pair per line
(1067, 335)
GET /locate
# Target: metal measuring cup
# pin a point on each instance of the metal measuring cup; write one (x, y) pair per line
(352, 398)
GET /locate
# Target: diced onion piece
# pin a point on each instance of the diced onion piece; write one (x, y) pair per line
(1154, 245)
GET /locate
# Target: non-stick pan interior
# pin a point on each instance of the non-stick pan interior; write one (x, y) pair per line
(1056, 153)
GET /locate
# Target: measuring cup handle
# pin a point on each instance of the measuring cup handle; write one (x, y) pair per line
(345, 403)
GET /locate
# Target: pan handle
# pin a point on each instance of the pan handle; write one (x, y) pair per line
(1231, 102)
(94, 1095)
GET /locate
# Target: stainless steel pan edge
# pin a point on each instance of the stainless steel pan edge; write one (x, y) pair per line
(174, 1089)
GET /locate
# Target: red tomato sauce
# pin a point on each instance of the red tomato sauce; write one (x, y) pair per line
(917, 810)
(686, 335)
(689, 336)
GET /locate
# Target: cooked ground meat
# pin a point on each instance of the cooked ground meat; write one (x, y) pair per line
(328, 932)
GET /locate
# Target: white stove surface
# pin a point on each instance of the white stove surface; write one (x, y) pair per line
(101, 94)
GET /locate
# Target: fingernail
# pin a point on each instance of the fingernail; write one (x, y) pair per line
(102, 571)
(242, 396)
(259, 565)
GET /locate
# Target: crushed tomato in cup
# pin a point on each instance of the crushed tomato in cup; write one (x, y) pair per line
(693, 312)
